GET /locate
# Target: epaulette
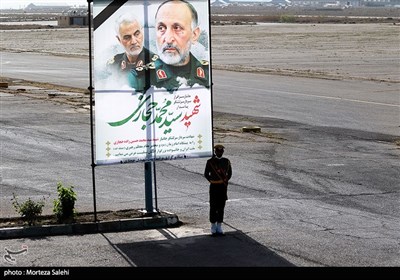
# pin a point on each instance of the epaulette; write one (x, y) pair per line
(151, 65)
(204, 62)
(111, 60)
(155, 57)
(139, 69)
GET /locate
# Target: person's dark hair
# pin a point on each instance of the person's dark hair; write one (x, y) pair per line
(193, 11)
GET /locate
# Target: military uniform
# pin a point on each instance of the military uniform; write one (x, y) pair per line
(165, 76)
(119, 66)
(120, 62)
(218, 172)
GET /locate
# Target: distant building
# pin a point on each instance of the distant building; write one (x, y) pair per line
(220, 3)
(73, 17)
(65, 21)
(32, 8)
(380, 3)
(309, 3)
(346, 3)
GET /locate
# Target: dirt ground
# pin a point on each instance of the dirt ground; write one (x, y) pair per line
(330, 51)
(85, 217)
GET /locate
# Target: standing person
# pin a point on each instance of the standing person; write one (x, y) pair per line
(177, 29)
(218, 172)
(129, 33)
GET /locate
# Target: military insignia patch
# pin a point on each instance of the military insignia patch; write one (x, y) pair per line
(204, 62)
(151, 65)
(123, 65)
(139, 63)
(111, 61)
(155, 57)
(200, 72)
(161, 74)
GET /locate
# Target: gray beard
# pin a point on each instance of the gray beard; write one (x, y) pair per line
(134, 53)
(174, 59)
(171, 59)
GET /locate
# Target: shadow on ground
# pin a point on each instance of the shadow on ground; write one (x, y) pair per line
(235, 249)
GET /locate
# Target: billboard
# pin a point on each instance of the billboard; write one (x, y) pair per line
(152, 80)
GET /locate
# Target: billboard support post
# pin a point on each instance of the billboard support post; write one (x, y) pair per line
(148, 171)
(148, 185)
(90, 88)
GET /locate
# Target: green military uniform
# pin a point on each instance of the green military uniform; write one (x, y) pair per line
(138, 75)
(162, 75)
(119, 67)
(120, 62)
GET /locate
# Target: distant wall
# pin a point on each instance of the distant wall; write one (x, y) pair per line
(64, 21)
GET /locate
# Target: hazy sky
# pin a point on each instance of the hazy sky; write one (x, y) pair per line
(17, 4)
(20, 4)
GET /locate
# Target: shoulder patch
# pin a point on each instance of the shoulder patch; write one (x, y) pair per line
(200, 72)
(123, 65)
(161, 74)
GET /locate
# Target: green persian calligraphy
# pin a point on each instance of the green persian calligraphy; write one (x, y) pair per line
(152, 113)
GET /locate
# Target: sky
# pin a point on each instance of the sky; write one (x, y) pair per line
(20, 4)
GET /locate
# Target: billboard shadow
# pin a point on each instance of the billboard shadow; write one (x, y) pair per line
(235, 249)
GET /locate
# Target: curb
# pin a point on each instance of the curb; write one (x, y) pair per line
(152, 222)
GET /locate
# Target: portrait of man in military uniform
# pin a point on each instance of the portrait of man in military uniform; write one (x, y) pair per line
(174, 65)
(129, 33)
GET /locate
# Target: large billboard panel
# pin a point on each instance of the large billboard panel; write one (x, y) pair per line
(152, 80)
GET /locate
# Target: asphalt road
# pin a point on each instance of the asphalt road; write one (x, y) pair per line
(318, 188)
(353, 104)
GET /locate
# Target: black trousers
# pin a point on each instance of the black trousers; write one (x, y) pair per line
(218, 197)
